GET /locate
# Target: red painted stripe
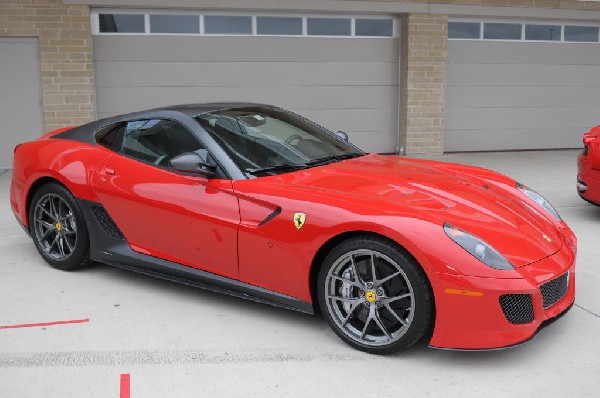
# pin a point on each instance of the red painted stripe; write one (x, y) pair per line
(125, 385)
(34, 325)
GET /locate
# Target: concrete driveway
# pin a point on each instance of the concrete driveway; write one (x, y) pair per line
(177, 341)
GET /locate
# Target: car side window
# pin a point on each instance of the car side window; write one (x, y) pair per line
(111, 136)
(157, 141)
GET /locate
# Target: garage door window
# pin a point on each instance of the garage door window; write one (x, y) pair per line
(121, 23)
(374, 27)
(543, 32)
(502, 31)
(227, 24)
(279, 25)
(329, 27)
(174, 24)
(582, 34)
(464, 30)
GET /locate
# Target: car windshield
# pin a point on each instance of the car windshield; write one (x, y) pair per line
(267, 140)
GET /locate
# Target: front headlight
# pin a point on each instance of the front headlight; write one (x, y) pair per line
(540, 200)
(477, 248)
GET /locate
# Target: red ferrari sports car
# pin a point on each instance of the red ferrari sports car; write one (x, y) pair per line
(588, 167)
(255, 201)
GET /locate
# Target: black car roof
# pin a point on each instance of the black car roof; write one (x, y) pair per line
(85, 133)
(197, 109)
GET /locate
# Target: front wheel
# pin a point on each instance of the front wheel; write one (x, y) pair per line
(374, 295)
(58, 228)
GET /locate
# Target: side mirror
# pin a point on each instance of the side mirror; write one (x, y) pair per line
(342, 135)
(191, 162)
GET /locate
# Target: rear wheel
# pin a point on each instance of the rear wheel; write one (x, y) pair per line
(374, 295)
(58, 228)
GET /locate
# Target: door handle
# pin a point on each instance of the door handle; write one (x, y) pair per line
(108, 171)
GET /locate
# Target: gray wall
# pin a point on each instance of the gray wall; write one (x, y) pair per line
(20, 95)
(348, 84)
(518, 95)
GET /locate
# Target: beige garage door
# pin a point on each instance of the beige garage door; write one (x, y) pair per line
(20, 95)
(348, 84)
(520, 95)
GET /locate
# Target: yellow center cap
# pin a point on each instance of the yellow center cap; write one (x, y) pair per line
(58, 226)
(371, 296)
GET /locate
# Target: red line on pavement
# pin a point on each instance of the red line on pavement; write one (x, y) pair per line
(34, 325)
(125, 385)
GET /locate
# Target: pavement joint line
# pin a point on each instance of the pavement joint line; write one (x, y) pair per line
(34, 325)
(145, 357)
(585, 309)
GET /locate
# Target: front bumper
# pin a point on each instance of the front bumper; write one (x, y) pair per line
(469, 315)
(588, 179)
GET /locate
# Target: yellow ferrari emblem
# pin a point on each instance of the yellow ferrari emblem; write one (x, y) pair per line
(299, 219)
(58, 226)
(371, 296)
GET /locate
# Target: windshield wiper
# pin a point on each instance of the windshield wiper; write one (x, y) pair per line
(277, 167)
(332, 158)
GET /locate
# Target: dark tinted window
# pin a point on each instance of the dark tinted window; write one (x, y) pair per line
(374, 27)
(174, 24)
(278, 26)
(111, 136)
(121, 23)
(328, 26)
(158, 141)
(502, 31)
(542, 32)
(581, 34)
(463, 30)
(224, 24)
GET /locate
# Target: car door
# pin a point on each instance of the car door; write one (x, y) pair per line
(187, 219)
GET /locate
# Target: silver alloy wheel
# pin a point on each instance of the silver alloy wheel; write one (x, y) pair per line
(369, 297)
(54, 226)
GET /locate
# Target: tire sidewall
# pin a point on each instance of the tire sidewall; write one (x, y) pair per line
(422, 292)
(80, 255)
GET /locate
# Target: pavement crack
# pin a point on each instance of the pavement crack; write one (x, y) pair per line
(586, 310)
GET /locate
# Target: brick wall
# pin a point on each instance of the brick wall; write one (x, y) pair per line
(65, 46)
(425, 82)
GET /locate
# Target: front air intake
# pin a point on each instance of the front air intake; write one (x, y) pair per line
(517, 308)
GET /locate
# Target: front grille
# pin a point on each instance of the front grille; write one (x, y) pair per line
(517, 308)
(554, 290)
(107, 223)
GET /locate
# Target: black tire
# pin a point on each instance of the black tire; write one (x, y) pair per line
(406, 293)
(70, 248)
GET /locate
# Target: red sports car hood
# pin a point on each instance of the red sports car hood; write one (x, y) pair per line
(441, 194)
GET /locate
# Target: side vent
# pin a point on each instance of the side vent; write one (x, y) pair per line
(107, 223)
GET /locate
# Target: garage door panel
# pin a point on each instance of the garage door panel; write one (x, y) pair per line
(130, 99)
(197, 74)
(365, 120)
(20, 95)
(375, 141)
(506, 74)
(348, 84)
(519, 96)
(236, 48)
(507, 139)
(492, 52)
(524, 118)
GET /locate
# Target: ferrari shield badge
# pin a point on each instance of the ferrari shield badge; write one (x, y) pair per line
(299, 219)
